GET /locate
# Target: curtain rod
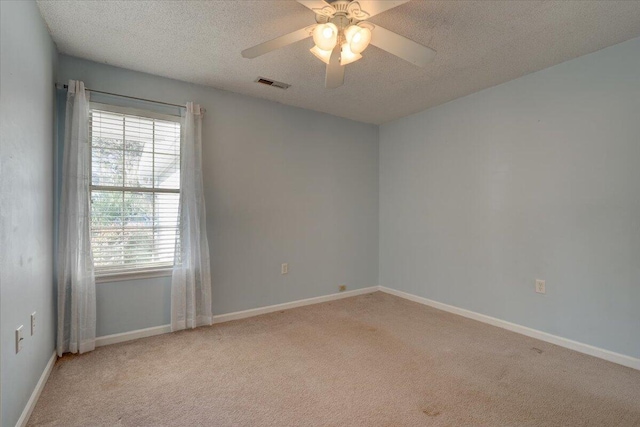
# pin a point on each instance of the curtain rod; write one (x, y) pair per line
(129, 97)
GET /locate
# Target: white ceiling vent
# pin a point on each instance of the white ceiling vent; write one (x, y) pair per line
(273, 83)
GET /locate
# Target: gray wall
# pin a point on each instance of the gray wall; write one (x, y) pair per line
(282, 184)
(26, 167)
(536, 178)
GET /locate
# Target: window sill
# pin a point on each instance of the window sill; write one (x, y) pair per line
(133, 275)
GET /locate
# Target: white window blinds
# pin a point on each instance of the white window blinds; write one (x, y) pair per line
(135, 189)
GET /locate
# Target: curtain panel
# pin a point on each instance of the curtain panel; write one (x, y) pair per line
(191, 278)
(76, 279)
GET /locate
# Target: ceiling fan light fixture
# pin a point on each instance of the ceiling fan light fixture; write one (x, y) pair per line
(360, 38)
(347, 56)
(322, 55)
(350, 31)
(325, 36)
(341, 32)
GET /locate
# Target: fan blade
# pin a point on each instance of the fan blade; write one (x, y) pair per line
(401, 46)
(320, 7)
(374, 7)
(277, 43)
(335, 71)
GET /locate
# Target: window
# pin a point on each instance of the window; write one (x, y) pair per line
(135, 189)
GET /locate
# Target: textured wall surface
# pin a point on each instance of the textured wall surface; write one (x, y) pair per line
(537, 178)
(282, 184)
(26, 166)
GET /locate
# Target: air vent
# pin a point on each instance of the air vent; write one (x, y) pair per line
(273, 83)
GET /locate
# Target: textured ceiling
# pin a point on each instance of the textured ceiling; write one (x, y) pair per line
(479, 44)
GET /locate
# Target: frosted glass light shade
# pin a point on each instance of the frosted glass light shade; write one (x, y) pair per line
(325, 36)
(347, 56)
(322, 55)
(350, 31)
(358, 38)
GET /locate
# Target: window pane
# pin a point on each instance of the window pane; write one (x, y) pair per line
(139, 169)
(106, 209)
(139, 133)
(107, 248)
(167, 138)
(106, 129)
(166, 209)
(106, 227)
(167, 171)
(134, 227)
(138, 209)
(166, 225)
(106, 167)
(138, 245)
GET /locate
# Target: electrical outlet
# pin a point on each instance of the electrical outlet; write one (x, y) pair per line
(342, 288)
(284, 269)
(19, 338)
(33, 323)
(540, 287)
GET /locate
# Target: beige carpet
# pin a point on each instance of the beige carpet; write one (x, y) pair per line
(371, 360)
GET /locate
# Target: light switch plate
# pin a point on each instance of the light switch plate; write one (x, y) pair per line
(284, 269)
(33, 323)
(19, 338)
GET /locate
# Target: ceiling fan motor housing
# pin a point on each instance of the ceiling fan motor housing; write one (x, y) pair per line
(341, 13)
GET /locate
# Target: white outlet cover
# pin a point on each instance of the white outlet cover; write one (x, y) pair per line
(540, 286)
(33, 323)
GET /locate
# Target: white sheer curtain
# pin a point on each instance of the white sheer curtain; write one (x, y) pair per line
(191, 281)
(76, 280)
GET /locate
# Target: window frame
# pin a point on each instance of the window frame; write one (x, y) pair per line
(139, 273)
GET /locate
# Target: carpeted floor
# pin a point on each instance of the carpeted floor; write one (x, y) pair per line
(371, 360)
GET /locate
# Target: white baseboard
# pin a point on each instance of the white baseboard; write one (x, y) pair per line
(132, 335)
(31, 404)
(601, 353)
(220, 318)
(287, 305)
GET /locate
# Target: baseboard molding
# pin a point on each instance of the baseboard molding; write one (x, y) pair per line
(220, 318)
(601, 353)
(31, 403)
(288, 305)
(132, 335)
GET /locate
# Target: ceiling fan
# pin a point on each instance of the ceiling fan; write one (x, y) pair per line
(341, 33)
